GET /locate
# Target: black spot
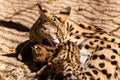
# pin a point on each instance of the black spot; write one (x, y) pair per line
(95, 40)
(91, 66)
(81, 25)
(98, 78)
(108, 46)
(102, 56)
(98, 29)
(105, 38)
(97, 37)
(92, 79)
(79, 46)
(89, 27)
(81, 69)
(104, 71)
(101, 33)
(71, 28)
(77, 37)
(101, 65)
(113, 57)
(102, 42)
(94, 57)
(94, 71)
(83, 33)
(115, 51)
(95, 26)
(83, 77)
(113, 40)
(68, 26)
(69, 69)
(77, 32)
(88, 73)
(83, 74)
(88, 36)
(114, 62)
(71, 34)
(101, 48)
(87, 46)
(91, 43)
(109, 75)
(69, 75)
(119, 45)
(115, 75)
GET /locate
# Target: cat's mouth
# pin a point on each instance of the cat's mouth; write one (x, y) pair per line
(48, 43)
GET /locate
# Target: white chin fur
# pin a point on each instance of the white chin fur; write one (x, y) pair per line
(56, 41)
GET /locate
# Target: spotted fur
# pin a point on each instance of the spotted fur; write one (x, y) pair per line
(66, 65)
(73, 42)
(66, 60)
(103, 46)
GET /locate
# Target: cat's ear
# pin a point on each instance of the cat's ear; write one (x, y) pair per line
(63, 14)
(44, 12)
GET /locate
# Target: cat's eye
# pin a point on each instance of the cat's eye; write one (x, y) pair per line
(37, 48)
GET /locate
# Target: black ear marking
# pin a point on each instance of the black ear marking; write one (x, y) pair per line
(66, 11)
(44, 12)
(63, 14)
(39, 6)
